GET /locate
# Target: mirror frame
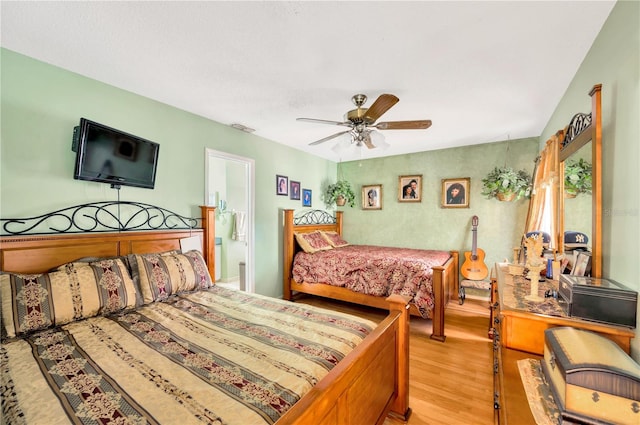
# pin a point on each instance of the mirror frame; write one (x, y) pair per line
(582, 129)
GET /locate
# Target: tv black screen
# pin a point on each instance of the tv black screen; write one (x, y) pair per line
(111, 156)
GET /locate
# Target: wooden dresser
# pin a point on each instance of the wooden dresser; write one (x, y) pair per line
(517, 328)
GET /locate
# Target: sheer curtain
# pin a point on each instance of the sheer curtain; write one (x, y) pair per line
(544, 197)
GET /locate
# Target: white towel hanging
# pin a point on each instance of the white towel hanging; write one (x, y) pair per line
(240, 226)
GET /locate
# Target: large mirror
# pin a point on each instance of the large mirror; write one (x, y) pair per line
(580, 209)
(577, 194)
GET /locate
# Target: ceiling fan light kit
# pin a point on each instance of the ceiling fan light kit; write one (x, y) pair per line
(362, 122)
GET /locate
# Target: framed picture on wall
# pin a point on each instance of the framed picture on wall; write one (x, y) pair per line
(455, 192)
(294, 190)
(372, 197)
(410, 188)
(282, 185)
(306, 197)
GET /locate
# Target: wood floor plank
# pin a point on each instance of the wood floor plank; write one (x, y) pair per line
(450, 382)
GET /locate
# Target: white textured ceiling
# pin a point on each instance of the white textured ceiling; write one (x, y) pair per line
(481, 71)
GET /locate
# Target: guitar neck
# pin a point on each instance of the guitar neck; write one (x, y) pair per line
(474, 246)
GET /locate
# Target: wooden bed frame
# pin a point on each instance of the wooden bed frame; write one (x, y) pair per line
(369, 384)
(445, 277)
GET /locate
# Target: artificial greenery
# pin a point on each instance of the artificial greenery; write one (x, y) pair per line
(577, 177)
(341, 188)
(504, 182)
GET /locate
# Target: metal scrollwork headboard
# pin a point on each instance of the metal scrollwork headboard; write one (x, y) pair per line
(99, 217)
(314, 217)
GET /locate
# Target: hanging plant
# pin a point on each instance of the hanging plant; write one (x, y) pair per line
(340, 193)
(577, 177)
(506, 184)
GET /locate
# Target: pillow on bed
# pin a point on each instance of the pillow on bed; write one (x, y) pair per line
(334, 239)
(312, 241)
(160, 275)
(71, 292)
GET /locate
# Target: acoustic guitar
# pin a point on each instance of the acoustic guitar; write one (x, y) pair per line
(473, 267)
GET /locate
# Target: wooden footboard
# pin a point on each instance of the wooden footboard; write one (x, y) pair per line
(369, 384)
(445, 284)
(445, 277)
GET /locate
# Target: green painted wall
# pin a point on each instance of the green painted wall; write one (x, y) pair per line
(426, 224)
(40, 106)
(614, 61)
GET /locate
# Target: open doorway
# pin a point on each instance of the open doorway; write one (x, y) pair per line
(229, 185)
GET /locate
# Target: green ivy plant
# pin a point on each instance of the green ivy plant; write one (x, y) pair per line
(340, 190)
(577, 177)
(506, 184)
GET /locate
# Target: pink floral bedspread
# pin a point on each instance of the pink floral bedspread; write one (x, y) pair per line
(374, 270)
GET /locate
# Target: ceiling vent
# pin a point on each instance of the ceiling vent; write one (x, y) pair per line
(242, 127)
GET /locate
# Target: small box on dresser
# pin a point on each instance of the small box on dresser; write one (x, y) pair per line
(601, 300)
(592, 379)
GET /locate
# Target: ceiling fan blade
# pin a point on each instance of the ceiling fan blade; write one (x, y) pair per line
(333, 136)
(379, 107)
(347, 123)
(404, 125)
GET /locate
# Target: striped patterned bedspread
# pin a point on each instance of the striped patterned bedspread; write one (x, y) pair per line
(211, 357)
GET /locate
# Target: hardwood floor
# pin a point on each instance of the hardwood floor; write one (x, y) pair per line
(451, 382)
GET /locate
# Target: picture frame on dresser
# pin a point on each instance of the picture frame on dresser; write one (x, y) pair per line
(569, 262)
(564, 264)
(582, 264)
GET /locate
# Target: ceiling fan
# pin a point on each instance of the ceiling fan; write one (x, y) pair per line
(361, 121)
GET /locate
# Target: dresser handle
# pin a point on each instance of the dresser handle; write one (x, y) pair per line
(595, 397)
(552, 361)
(635, 407)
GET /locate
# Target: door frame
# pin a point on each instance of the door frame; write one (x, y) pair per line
(250, 176)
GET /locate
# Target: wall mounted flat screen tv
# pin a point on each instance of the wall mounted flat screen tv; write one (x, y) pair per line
(107, 155)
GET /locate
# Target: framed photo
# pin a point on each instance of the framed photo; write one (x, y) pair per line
(455, 192)
(410, 188)
(568, 264)
(583, 264)
(372, 197)
(306, 197)
(564, 265)
(294, 190)
(282, 185)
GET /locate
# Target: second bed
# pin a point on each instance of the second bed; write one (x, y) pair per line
(365, 274)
